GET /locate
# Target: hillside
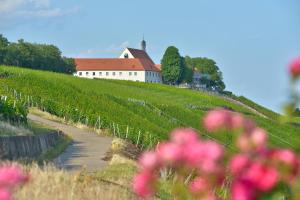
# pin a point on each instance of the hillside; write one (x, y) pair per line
(143, 112)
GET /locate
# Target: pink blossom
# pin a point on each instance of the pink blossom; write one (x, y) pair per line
(5, 194)
(285, 156)
(217, 119)
(295, 67)
(143, 184)
(194, 154)
(262, 177)
(149, 161)
(198, 185)
(237, 121)
(11, 176)
(169, 153)
(244, 143)
(184, 136)
(212, 150)
(258, 138)
(242, 190)
(238, 163)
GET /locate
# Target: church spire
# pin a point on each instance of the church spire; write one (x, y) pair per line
(143, 44)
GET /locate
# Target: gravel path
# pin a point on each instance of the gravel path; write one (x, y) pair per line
(86, 151)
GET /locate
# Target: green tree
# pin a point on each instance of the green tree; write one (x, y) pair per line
(3, 45)
(187, 72)
(172, 66)
(211, 75)
(35, 56)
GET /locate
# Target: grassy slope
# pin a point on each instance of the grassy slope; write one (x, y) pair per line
(122, 103)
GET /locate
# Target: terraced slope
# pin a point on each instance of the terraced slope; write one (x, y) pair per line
(142, 112)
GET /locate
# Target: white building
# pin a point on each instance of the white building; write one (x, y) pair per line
(133, 65)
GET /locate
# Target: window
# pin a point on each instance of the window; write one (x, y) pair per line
(100, 73)
(87, 73)
(94, 73)
(114, 73)
(130, 73)
(120, 73)
(80, 73)
(126, 55)
(135, 73)
(107, 73)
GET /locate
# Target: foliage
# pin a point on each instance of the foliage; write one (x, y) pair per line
(35, 56)
(187, 73)
(172, 66)
(12, 110)
(212, 76)
(297, 112)
(130, 110)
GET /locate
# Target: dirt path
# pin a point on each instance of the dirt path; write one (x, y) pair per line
(87, 149)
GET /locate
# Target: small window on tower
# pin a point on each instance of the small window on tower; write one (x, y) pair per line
(126, 55)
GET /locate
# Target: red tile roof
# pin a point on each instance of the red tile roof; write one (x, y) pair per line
(137, 53)
(158, 66)
(121, 64)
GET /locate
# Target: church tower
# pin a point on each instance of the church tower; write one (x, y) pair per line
(143, 45)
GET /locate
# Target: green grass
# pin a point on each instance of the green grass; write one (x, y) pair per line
(149, 109)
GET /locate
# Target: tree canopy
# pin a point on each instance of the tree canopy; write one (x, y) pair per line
(211, 75)
(172, 66)
(35, 56)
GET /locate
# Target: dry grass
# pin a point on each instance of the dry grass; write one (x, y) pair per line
(50, 183)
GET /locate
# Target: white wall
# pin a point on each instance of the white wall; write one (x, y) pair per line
(153, 77)
(117, 75)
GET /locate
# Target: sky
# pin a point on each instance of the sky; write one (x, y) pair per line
(252, 41)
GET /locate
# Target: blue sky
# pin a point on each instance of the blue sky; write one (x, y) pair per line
(251, 41)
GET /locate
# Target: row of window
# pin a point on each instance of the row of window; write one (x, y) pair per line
(107, 73)
(152, 74)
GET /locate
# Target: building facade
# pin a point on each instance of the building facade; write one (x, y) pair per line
(132, 65)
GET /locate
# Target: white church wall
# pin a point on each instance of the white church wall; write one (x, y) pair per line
(153, 77)
(115, 75)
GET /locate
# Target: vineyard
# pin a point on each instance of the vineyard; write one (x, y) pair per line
(140, 112)
(13, 110)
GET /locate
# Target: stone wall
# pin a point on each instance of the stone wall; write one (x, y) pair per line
(19, 147)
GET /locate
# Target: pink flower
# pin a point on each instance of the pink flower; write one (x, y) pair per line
(295, 67)
(238, 163)
(184, 136)
(242, 190)
(217, 119)
(244, 143)
(4, 194)
(149, 161)
(285, 156)
(212, 150)
(11, 176)
(237, 121)
(258, 138)
(262, 177)
(169, 153)
(198, 185)
(143, 184)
